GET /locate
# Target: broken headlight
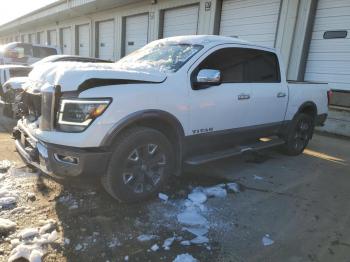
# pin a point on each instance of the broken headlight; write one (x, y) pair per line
(75, 115)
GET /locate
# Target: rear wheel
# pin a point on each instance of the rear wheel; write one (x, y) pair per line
(141, 163)
(300, 132)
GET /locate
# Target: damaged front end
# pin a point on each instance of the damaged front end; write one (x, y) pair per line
(36, 110)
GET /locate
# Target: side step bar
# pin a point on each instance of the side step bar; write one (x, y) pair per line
(201, 159)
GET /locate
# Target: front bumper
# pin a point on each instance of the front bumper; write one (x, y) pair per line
(52, 159)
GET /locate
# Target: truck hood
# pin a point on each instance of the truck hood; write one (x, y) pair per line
(71, 75)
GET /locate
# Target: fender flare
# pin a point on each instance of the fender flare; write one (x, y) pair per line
(143, 115)
(305, 105)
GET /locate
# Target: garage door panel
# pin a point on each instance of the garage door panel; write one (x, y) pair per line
(181, 21)
(334, 12)
(331, 67)
(329, 59)
(66, 41)
(84, 40)
(248, 12)
(136, 32)
(336, 81)
(329, 56)
(106, 40)
(254, 21)
(330, 46)
(334, 3)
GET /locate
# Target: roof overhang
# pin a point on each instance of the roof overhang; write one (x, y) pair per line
(59, 11)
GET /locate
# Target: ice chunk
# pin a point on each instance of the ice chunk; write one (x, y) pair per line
(197, 197)
(78, 247)
(15, 242)
(258, 177)
(143, 238)
(267, 241)
(168, 242)
(197, 231)
(6, 201)
(6, 226)
(35, 255)
(215, 191)
(185, 243)
(21, 251)
(126, 258)
(66, 241)
(155, 247)
(234, 187)
(114, 242)
(163, 197)
(46, 227)
(191, 218)
(200, 240)
(185, 258)
(53, 236)
(28, 232)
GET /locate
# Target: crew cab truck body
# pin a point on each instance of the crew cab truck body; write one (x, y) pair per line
(189, 99)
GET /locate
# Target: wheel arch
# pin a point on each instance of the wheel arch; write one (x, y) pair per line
(159, 120)
(309, 108)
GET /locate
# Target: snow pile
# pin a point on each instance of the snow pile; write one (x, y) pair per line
(5, 165)
(8, 196)
(185, 258)
(6, 226)
(30, 242)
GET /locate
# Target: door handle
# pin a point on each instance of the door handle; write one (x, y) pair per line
(281, 94)
(243, 96)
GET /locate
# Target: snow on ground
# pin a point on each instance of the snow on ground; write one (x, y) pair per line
(185, 258)
(267, 241)
(31, 242)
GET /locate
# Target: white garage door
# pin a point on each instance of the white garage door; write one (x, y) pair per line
(84, 40)
(52, 37)
(66, 41)
(136, 32)
(181, 21)
(251, 20)
(32, 38)
(329, 59)
(41, 38)
(106, 40)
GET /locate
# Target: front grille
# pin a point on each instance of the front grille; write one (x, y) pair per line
(47, 108)
(31, 106)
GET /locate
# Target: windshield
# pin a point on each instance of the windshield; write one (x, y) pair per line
(165, 57)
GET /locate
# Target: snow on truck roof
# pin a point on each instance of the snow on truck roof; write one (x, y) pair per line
(208, 39)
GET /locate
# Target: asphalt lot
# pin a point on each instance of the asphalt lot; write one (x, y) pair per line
(301, 202)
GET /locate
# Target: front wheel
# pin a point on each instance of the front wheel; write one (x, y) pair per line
(299, 134)
(141, 163)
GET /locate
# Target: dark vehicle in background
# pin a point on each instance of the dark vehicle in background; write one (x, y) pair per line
(25, 54)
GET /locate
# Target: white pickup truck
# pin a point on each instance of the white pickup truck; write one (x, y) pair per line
(181, 100)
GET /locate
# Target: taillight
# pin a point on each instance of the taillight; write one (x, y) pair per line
(329, 96)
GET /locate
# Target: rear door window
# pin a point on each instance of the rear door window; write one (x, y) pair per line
(243, 65)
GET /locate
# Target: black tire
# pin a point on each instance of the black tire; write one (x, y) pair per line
(140, 165)
(299, 133)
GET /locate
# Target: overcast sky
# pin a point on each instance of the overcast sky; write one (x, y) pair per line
(11, 9)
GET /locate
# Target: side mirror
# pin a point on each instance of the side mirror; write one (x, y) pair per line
(207, 77)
